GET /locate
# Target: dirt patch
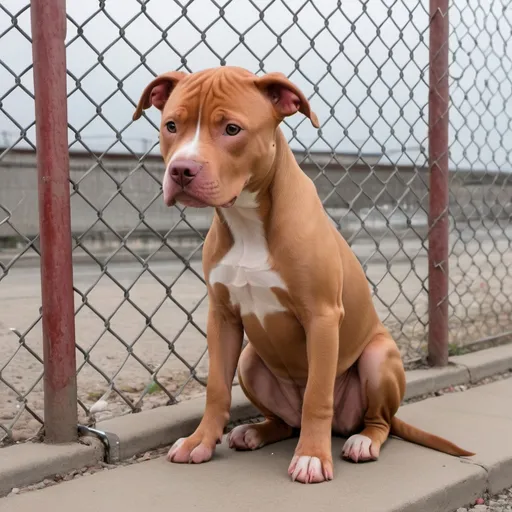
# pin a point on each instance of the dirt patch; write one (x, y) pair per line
(141, 333)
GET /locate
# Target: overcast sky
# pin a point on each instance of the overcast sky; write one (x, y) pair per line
(369, 63)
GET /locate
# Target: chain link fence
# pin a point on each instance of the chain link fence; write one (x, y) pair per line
(21, 358)
(140, 297)
(481, 184)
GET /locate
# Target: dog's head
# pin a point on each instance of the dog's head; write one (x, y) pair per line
(218, 130)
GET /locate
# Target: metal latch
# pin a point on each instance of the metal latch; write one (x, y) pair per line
(110, 441)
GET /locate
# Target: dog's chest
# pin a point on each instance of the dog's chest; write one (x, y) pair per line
(245, 269)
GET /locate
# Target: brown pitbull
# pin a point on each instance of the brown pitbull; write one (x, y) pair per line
(318, 357)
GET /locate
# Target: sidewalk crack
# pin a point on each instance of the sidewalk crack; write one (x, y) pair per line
(474, 463)
(466, 367)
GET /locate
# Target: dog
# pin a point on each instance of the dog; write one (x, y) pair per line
(318, 357)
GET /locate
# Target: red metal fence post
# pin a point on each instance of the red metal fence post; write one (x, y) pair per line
(49, 54)
(439, 183)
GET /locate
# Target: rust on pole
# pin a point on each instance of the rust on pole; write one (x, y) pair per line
(439, 184)
(48, 18)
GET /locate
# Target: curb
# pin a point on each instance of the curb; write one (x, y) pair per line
(484, 363)
(29, 463)
(148, 430)
(424, 382)
(456, 493)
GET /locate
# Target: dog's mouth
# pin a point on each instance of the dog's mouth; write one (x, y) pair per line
(229, 204)
(188, 200)
(194, 202)
(200, 193)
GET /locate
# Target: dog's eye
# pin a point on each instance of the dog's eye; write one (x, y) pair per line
(171, 126)
(232, 130)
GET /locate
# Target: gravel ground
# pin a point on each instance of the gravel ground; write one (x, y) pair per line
(461, 387)
(501, 502)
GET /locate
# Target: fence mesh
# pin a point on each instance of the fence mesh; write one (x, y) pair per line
(481, 185)
(21, 359)
(140, 297)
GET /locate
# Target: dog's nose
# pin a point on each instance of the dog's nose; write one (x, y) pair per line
(184, 171)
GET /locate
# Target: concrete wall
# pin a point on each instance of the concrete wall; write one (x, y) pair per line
(120, 194)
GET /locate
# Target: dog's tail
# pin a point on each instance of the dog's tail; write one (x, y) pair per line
(415, 435)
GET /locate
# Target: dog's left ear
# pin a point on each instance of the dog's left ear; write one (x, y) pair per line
(286, 97)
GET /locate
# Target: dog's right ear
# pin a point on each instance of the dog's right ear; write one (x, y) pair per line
(158, 91)
(286, 97)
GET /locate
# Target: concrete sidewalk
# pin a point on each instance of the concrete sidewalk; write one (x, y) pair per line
(406, 478)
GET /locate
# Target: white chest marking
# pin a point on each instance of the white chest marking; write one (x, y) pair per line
(245, 269)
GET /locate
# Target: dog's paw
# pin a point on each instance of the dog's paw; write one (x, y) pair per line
(307, 470)
(193, 450)
(358, 448)
(245, 437)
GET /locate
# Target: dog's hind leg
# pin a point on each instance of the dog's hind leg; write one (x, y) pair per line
(382, 378)
(263, 390)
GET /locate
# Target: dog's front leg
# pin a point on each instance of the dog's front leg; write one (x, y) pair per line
(312, 461)
(224, 337)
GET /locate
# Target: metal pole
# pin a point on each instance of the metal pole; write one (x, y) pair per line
(49, 54)
(439, 183)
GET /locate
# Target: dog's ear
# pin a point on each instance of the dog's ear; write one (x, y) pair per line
(286, 97)
(158, 91)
